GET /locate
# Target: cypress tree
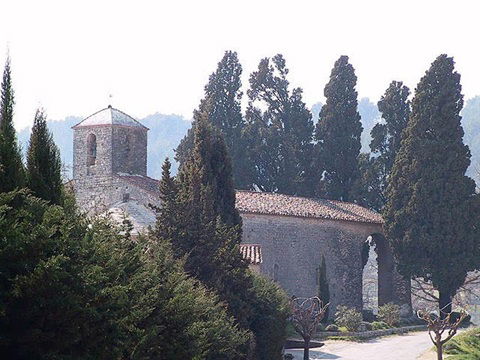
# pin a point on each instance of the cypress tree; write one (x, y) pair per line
(224, 95)
(386, 137)
(323, 288)
(431, 212)
(280, 137)
(202, 222)
(43, 176)
(11, 167)
(338, 133)
(199, 218)
(167, 228)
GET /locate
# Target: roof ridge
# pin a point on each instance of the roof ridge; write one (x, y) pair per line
(301, 197)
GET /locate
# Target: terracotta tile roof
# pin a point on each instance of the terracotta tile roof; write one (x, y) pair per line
(278, 204)
(252, 202)
(252, 253)
(144, 182)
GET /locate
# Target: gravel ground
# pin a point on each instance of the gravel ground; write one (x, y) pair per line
(410, 346)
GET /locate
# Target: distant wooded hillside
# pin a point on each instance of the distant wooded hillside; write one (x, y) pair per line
(166, 131)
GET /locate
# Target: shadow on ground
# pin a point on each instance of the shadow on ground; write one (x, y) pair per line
(315, 353)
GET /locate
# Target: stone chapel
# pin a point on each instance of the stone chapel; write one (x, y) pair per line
(284, 237)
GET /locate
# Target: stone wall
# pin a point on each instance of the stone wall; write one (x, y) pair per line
(129, 150)
(120, 149)
(95, 194)
(103, 163)
(292, 249)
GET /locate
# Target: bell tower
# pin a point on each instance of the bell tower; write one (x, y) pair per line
(109, 142)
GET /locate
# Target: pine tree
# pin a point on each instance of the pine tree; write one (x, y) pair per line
(223, 96)
(279, 144)
(338, 133)
(386, 137)
(431, 212)
(43, 175)
(11, 167)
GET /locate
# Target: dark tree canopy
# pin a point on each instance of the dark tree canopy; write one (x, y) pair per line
(279, 132)
(338, 133)
(431, 209)
(73, 288)
(223, 96)
(11, 166)
(44, 176)
(386, 137)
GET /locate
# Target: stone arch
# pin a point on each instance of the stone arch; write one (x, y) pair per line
(391, 286)
(91, 149)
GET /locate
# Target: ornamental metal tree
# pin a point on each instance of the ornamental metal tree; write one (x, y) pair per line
(306, 315)
(440, 325)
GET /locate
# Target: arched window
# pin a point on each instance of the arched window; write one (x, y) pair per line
(91, 149)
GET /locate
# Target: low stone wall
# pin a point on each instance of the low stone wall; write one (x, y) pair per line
(371, 333)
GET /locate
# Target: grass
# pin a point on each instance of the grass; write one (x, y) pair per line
(465, 346)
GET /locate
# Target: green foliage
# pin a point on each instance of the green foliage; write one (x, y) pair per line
(43, 176)
(174, 316)
(323, 288)
(11, 166)
(390, 314)
(270, 310)
(70, 290)
(338, 133)
(279, 132)
(380, 325)
(47, 310)
(465, 346)
(349, 318)
(223, 104)
(431, 213)
(386, 138)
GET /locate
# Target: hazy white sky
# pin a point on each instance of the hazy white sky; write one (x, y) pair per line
(68, 56)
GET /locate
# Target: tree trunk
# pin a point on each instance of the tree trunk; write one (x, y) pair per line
(306, 349)
(439, 352)
(444, 304)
